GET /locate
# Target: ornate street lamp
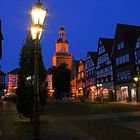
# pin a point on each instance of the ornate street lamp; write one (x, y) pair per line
(38, 15)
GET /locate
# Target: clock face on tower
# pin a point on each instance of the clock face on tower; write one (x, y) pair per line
(63, 49)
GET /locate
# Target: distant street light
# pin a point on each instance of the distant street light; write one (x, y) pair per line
(38, 15)
(28, 78)
(136, 79)
(98, 87)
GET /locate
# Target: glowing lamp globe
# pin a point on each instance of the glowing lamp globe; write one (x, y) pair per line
(136, 79)
(36, 32)
(38, 14)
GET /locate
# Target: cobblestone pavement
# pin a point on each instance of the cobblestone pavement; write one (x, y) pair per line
(107, 126)
(14, 128)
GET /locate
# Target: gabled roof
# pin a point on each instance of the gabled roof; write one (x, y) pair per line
(108, 44)
(93, 56)
(15, 71)
(130, 32)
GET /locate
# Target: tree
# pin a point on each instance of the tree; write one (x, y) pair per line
(25, 91)
(61, 80)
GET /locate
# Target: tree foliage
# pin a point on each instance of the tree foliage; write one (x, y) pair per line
(25, 92)
(61, 80)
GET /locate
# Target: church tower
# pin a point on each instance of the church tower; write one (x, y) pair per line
(61, 54)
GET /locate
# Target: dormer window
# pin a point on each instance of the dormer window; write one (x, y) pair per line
(63, 49)
(120, 45)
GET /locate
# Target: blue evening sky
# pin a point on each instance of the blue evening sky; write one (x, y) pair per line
(84, 20)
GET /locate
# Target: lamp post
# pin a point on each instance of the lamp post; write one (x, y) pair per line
(38, 15)
(98, 87)
(136, 79)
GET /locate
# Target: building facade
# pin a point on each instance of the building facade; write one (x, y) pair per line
(74, 75)
(13, 77)
(62, 54)
(80, 82)
(90, 75)
(126, 60)
(104, 70)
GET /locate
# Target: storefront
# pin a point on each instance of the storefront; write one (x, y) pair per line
(122, 94)
(96, 93)
(133, 94)
(93, 93)
(125, 94)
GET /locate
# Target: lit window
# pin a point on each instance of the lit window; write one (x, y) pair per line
(120, 45)
(122, 59)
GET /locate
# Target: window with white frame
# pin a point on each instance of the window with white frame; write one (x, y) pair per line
(101, 49)
(122, 59)
(124, 75)
(102, 59)
(105, 72)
